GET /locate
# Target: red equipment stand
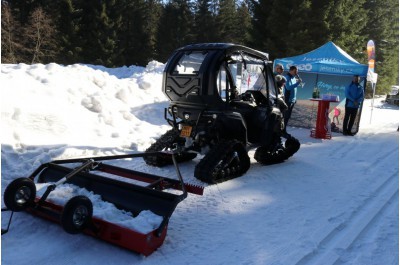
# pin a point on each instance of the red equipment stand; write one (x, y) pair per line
(322, 128)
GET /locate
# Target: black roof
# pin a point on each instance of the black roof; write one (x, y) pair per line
(229, 47)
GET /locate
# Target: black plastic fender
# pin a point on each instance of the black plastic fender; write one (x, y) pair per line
(231, 125)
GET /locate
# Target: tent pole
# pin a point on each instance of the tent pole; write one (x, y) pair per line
(372, 102)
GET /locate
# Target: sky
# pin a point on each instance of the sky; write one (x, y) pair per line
(334, 202)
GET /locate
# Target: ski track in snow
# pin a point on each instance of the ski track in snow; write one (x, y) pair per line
(369, 240)
(332, 246)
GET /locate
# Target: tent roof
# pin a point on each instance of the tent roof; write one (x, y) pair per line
(327, 59)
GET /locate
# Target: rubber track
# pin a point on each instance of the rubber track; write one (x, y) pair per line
(206, 169)
(264, 155)
(166, 141)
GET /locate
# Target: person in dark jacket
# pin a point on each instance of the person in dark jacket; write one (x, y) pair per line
(290, 91)
(354, 96)
(281, 81)
(278, 69)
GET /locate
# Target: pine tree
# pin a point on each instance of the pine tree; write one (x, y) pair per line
(129, 33)
(383, 28)
(150, 29)
(286, 27)
(346, 20)
(244, 24)
(269, 21)
(204, 28)
(109, 23)
(175, 27)
(227, 21)
(297, 36)
(96, 32)
(165, 33)
(138, 31)
(166, 42)
(68, 28)
(317, 22)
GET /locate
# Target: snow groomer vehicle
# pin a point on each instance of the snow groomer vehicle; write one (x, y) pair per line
(223, 102)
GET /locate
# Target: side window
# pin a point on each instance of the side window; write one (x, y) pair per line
(252, 78)
(222, 83)
(189, 63)
(271, 83)
(236, 71)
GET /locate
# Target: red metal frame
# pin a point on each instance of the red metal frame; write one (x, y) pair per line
(132, 240)
(135, 198)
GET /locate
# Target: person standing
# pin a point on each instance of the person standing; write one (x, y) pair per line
(290, 90)
(354, 95)
(278, 69)
(281, 81)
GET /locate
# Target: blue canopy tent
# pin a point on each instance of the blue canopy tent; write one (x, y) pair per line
(328, 59)
(328, 68)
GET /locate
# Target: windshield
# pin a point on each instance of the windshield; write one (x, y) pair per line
(252, 78)
(247, 73)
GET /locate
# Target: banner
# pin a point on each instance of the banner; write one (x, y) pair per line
(371, 55)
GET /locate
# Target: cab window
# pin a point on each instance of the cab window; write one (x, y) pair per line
(222, 83)
(190, 63)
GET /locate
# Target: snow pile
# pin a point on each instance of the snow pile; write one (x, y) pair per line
(79, 104)
(144, 222)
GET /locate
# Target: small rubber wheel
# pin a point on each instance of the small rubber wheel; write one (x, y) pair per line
(20, 194)
(77, 214)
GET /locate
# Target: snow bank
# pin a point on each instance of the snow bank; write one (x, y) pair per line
(54, 112)
(79, 105)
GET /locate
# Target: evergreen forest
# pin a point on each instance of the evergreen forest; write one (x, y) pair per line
(115, 33)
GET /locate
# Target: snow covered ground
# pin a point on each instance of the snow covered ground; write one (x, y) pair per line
(333, 202)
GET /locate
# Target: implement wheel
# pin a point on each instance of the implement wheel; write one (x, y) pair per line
(77, 214)
(20, 194)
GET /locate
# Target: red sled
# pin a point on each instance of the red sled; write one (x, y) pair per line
(128, 190)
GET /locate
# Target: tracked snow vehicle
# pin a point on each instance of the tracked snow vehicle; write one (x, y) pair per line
(223, 102)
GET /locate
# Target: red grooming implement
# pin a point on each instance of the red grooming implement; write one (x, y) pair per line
(129, 190)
